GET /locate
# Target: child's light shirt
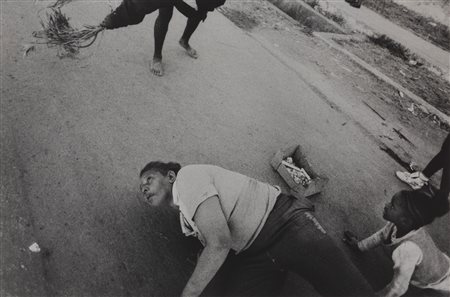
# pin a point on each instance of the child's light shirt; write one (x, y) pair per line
(406, 257)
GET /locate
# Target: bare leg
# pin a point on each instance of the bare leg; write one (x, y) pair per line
(160, 31)
(191, 26)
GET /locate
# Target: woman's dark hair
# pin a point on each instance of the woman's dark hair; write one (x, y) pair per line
(424, 206)
(161, 167)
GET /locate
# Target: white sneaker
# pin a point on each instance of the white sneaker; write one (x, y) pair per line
(415, 180)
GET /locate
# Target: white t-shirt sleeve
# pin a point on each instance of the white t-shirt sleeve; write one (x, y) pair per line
(194, 187)
(406, 257)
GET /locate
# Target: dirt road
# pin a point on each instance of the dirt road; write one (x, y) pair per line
(75, 134)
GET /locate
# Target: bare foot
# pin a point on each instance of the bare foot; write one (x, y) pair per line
(189, 50)
(156, 67)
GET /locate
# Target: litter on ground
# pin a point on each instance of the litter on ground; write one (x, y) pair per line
(34, 248)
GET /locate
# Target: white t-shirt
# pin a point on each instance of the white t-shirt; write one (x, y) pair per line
(245, 202)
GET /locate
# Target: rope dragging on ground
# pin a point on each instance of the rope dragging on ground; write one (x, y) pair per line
(59, 3)
(57, 32)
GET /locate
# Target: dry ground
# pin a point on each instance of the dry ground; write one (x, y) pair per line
(422, 80)
(423, 26)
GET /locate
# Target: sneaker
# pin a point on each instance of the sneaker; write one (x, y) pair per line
(415, 180)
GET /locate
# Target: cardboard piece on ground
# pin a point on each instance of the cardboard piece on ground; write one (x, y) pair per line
(295, 152)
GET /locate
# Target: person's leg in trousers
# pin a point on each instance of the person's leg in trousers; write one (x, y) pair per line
(444, 188)
(255, 275)
(307, 250)
(191, 25)
(247, 275)
(442, 160)
(160, 31)
(438, 161)
(148, 6)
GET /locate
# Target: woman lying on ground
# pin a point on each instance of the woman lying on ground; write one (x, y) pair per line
(251, 232)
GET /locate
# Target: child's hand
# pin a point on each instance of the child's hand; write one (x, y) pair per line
(351, 240)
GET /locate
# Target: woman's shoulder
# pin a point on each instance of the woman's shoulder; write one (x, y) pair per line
(196, 173)
(197, 168)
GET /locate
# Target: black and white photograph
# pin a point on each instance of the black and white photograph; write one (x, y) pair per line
(240, 148)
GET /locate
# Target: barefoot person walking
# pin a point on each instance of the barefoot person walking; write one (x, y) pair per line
(162, 25)
(131, 12)
(251, 232)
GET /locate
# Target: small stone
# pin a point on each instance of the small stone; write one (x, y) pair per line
(34, 248)
(27, 48)
(412, 109)
(423, 109)
(435, 70)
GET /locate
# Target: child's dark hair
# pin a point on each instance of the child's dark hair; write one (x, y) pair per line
(424, 206)
(161, 167)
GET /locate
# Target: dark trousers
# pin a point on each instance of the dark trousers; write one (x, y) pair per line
(140, 8)
(291, 240)
(441, 161)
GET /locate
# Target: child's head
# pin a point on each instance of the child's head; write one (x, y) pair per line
(410, 210)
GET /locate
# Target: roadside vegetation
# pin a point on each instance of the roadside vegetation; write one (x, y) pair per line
(337, 18)
(392, 46)
(380, 51)
(397, 62)
(425, 27)
(308, 18)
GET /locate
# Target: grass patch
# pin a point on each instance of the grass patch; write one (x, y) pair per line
(379, 52)
(425, 27)
(392, 46)
(240, 19)
(337, 18)
(305, 16)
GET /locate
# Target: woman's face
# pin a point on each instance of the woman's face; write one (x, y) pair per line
(156, 188)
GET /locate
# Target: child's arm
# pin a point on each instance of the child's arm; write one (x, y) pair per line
(374, 239)
(406, 256)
